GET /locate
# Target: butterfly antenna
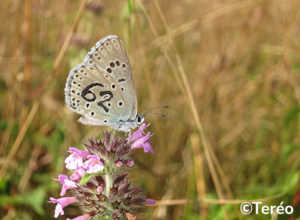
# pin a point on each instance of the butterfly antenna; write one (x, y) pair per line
(160, 107)
(150, 109)
(153, 113)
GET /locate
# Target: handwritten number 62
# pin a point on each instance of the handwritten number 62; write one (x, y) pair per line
(86, 93)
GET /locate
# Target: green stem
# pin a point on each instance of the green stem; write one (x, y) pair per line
(108, 182)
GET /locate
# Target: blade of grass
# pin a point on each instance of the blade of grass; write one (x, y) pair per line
(20, 137)
(52, 76)
(27, 68)
(218, 201)
(183, 84)
(62, 51)
(164, 49)
(199, 171)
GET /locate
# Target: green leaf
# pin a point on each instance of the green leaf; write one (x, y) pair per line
(286, 150)
(4, 186)
(291, 182)
(296, 63)
(291, 115)
(34, 199)
(87, 177)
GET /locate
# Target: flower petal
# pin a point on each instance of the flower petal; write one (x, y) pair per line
(138, 133)
(75, 159)
(150, 201)
(61, 203)
(77, 174)
(67, 184)
(93, 164)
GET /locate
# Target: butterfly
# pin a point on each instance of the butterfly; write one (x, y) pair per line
(101, 88)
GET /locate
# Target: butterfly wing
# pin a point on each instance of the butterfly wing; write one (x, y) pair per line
(94, 93)
(109, 54)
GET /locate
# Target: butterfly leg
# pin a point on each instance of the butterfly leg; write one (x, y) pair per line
(128, 135)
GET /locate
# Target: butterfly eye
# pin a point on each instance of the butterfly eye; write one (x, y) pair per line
(139, 119)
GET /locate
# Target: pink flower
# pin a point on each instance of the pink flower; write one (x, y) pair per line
(147, 147)
(82, 217)
(99, 189)
(138, 133)
(143, 142)
(67, 184)
(130, 163)
(61, 203)
(93, 164)
(143, 127)
(150, 201)
(79, 172)
(75, 159)
(118, 163)
(138, 140)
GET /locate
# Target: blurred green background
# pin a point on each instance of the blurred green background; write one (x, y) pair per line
(229, 70)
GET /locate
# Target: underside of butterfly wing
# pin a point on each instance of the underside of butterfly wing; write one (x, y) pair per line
(109, 53)
(93, 93)
(101, 89)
